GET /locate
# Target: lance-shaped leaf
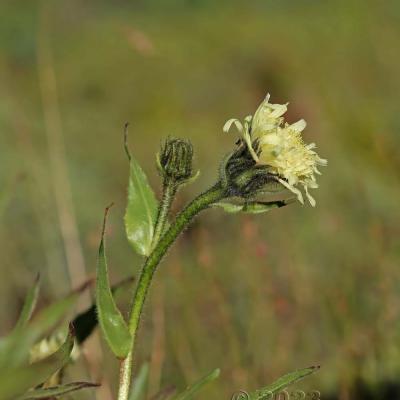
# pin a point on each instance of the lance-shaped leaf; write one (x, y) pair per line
(112, 323)
(86, 321)
(281, 383)
(56, 391)
(141, 210)
(16, 381)
(193, 389)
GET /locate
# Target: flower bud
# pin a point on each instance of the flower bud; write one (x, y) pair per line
(175, 160)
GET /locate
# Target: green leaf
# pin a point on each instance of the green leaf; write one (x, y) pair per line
(16, 381)
(14, 349)
(14, 341)
(258, 207)
(281, 383)
(29, 306)
(56, 390)
(112, 323)
(139, 383)
(229, 207)
(86, 321)
(57, 360)
(252, 207)
(141, 211)
(193, 389)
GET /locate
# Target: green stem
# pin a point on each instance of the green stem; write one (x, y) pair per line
(183, 219)
(169, 191)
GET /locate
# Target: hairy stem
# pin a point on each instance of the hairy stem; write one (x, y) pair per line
(183, 219)
(169, 191)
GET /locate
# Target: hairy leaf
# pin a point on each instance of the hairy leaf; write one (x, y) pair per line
(86, 321)
(112, 323)
(141, 211)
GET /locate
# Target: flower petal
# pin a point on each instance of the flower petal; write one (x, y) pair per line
(230, 122)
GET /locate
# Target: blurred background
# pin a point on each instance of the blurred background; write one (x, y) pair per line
(257, 296)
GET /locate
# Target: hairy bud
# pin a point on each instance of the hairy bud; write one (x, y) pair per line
(175, 160)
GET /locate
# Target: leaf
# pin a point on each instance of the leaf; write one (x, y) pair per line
(57, 360)
(12, 341)
(258, 207)
(141, 211)
(229, 207)
(56, 390)
(139, 383)
(14, 349)
(252, 207)
(193, 389)
(112, 323)
(29, 306)
(16, 381)
(86, 321)
(282, 383)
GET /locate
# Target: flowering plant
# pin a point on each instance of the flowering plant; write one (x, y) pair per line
(269, 157)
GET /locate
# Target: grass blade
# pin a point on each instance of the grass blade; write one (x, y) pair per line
(139, 383)
(282, 383)
(29, 306)
(16, 381)
(56, 390)
(14, 349)
(193, 389)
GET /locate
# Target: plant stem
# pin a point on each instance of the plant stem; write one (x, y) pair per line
(169, 190)
(183, 219)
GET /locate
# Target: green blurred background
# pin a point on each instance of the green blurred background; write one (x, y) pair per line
(257, 296)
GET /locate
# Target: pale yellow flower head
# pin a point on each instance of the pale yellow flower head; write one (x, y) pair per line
(280, 145)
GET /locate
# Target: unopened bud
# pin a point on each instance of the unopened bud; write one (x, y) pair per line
(175, 160)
